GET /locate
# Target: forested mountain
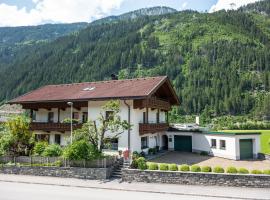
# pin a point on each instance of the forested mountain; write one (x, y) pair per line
(159, 10)
(13, 40)
(219, 63)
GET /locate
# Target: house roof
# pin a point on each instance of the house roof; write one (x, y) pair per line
(114, 89)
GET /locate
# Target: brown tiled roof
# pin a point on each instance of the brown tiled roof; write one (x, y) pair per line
(125, 89)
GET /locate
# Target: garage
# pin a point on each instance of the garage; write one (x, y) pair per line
(246, 149)
(183, 143)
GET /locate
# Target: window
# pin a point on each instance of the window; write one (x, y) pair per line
(85, 117)
(213, 143)
(75, 115)
(109, 115)
(157, 116)
(33, 115)
(57, 139)
(222, 144)
(50, 117)
(111, 143)
(42, 137)
(144, 142)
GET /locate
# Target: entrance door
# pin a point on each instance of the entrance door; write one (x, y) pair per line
(183, 143)
(246, 149)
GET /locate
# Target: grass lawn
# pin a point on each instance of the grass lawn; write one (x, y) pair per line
(265, 138)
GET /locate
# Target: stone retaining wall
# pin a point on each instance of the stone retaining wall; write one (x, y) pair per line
(189, 178)
(74, 172)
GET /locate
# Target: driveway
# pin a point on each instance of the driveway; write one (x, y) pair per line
(191, 159)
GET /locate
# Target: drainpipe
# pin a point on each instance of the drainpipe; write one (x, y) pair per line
(128, 106)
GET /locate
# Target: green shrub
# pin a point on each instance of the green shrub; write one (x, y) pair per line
(53, 150)
(231, 170)
(255, 171)
(218, 169)
(152, 166)
(173, 167)
(184, 168)
(134, 164)
(40, 147)
(195, 168)
(141, 163)
(243, 171)
(267, 171)
(81, 150)
(206, 169)
(163, 167)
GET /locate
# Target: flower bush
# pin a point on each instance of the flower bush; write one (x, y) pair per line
(218, 169)
(173, 167)
(184, 168)
(243, 171)
(152, 166)
(231, 170)
(206, 169)
(163, 167)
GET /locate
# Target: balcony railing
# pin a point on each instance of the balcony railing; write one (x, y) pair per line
(43, 126)
(152, 128)
(153, 102)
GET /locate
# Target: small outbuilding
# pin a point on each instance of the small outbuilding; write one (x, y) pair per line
(236, 146)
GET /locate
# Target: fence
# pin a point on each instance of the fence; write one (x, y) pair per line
(58, 161)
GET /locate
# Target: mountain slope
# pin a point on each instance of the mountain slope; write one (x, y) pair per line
(219, 63)
(159, 10)
(16, 40)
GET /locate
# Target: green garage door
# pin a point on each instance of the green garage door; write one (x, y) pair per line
(183, 143)
(246, 149)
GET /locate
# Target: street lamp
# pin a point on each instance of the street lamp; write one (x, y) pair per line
(71, 121)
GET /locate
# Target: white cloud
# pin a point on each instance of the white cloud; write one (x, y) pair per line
(230, 4)
(61, 11)
(184, 5)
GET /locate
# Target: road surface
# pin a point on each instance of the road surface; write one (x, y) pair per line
(14, 187)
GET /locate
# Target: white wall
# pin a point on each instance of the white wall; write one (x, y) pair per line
(202, 142)
(94, 109)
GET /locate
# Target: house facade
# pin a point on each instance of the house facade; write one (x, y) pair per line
(144, 103)
(230, 145)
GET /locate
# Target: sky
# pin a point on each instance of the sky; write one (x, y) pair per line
(35, 12)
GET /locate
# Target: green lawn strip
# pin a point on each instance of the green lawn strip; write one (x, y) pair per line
(265, 138)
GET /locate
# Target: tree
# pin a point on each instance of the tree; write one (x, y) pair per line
(94, 131)
(16, 138)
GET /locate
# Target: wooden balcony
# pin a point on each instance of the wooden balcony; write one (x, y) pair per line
(152, 128)
(153, 102)
(61, 127)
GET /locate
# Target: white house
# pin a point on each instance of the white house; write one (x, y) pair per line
(145, 103)
(236, 146)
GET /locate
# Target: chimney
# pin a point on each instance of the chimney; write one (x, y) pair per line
(197, 120)
(114, 77)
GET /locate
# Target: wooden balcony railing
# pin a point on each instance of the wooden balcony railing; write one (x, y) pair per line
(152, 103)
(152, 128)
(61, 127)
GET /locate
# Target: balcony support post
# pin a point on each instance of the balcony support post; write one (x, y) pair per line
(58, 116)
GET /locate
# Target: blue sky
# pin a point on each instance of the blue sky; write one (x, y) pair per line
(34, 12)
(129, 5)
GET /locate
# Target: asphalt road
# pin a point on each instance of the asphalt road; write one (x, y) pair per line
(25, 191)
(18, 187)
